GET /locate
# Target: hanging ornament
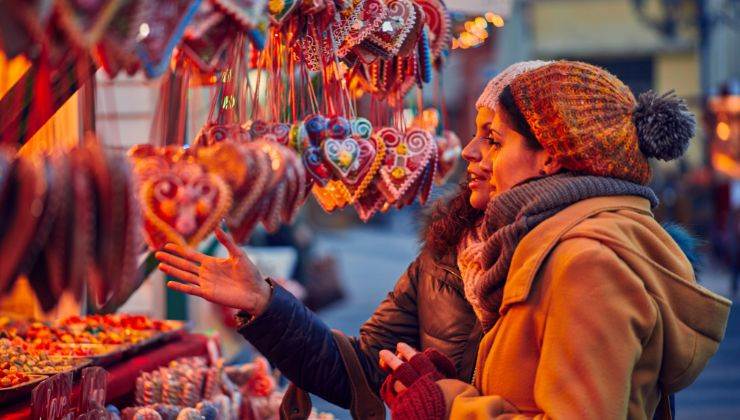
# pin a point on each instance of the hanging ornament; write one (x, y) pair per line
(162, 28)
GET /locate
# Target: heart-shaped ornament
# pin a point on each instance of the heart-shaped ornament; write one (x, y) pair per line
(409, 44)
(371, 201)
(281, 131)
(213, 133)
(369, 19)
(315, 166)
(341, 155)
(183, 205)
(398, 22)
(367, 179)
(406, 158)
(259, 175)
(439, 24)
(365, 160)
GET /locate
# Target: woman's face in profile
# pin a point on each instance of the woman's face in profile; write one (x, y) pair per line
(499, 158)
(476, 154)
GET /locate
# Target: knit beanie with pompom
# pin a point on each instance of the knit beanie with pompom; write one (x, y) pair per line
(489, 97)
(590, 122)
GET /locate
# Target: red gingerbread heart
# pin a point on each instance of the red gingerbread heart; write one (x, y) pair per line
(405, 161)
(365, 20)
(183, 205)
(439, 24)
(395, 27)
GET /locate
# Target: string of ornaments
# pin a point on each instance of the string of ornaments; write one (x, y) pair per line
(284, 123)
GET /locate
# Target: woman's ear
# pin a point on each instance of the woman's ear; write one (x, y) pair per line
(551, 166)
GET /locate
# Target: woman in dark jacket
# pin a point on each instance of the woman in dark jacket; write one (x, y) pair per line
(427, 307)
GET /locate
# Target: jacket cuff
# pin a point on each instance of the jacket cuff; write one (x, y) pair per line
(244, 318)
(253, 328)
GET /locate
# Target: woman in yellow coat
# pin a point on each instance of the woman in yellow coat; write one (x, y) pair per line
(590, 309)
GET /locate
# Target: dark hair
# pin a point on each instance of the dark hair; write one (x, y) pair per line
(516, 119)
(447, 221)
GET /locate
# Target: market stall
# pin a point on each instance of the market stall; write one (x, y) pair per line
(318, 98)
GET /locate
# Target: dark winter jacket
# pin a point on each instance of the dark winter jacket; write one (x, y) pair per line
(427, 308)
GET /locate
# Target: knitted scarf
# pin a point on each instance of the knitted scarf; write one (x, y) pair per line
(485, 253)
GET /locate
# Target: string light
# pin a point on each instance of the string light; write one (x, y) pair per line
(476, 31)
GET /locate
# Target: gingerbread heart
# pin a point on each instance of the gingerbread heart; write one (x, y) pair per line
(183, 205)
(259, 175)
(212, 133)
(369, 203)
(258, 128)
(341, 155)
(439, 24)
(281, 131)
(370, 16)
(364, 162)
(315, 166)
(406, 159)
(395, 27)
(369, 177)
(409, 44)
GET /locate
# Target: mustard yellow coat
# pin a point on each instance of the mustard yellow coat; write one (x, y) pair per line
(601, 312)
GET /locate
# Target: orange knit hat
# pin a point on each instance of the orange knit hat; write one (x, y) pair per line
(589, 121)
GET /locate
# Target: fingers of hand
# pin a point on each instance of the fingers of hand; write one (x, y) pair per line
(177, 262)
(183, 275)
(406, 351)
(227, 241)
(390, 359)
(184, 252)
(185, 288)
(398, 387)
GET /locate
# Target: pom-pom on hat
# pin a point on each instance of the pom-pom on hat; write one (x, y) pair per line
(489, 97)
(589, 121)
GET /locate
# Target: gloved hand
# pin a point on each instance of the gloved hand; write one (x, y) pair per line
(419, 397)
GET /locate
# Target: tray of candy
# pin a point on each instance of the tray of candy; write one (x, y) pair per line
(20, 390)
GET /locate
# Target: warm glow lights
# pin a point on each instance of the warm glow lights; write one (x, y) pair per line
(723, 131)
(476, 31)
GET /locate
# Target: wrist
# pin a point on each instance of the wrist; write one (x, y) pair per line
(248, 313)
(263, 297)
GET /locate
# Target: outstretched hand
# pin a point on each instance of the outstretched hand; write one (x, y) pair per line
(233, 281)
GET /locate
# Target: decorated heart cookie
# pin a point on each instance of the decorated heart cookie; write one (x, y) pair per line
(315, 166)
(439, 24)
(341, 155)
(395, 27)
(183, 205)
(213, 133)
(406, 159)
(360, 25)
